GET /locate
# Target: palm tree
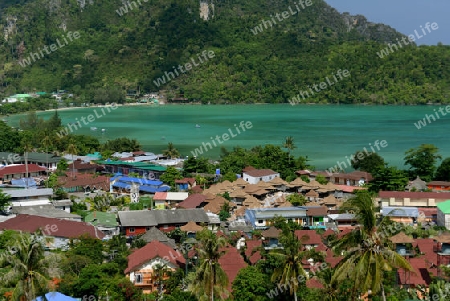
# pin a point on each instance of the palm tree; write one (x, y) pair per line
(289, 144)
(210, 279)
(160, 271)
(171, 151)
(292, 256)
(27, 147)
(367, 251)
(72, 149)
(28, 267)
(47, 142)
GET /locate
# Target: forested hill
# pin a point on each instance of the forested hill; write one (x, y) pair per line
(130, 44)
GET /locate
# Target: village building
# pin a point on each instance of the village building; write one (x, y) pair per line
(253, 175)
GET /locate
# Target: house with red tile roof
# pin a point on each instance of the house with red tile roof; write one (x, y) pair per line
(231, 262)
(83, 182)
(252, 252)
(142, 263)
(82, 167)
(253, 175)
(309, 238)
(18, 171)
(420, 275)
(61, 230)
(439, 186)
(195, 200)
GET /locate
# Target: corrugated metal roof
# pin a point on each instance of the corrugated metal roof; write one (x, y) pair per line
(34, 192)
(444, 207)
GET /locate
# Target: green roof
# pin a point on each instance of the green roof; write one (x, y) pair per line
(22, 95)
(41, 93)
(102, 219)
(42, 158)
(444, 207)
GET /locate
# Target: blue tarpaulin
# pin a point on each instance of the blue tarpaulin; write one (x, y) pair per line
(55, 296)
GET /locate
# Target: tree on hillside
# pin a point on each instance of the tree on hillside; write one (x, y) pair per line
(28, 270)
(388, 179)
(368, 162)
(289, 145)
(422, 161)
(9, 138)
(443, 171)
(171, 151)
(72, 150)
(291, 272)
(210, 282)
(251, 284)
(170, 175)
(367, 251)
(4, 200)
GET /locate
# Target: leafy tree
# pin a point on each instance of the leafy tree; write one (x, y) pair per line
(229, 176)
(388, 179)
(170, 175)
(87, 246)
(224, 213)
(197, 165)
(4, 200)
(210, 281)
(9, 138)
(121, 145)
(62, 166)
(321, 179)
(171, 151)
(443, 171)
(296, 199)
(422, 161)
(367, 251)
(367, 161)
(251, 284)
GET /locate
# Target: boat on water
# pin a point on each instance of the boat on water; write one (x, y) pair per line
(197, 126)
(103, 130)
(163, 138)
(93, 128)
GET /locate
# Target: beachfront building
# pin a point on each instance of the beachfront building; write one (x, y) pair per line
(439, 186)
(443, 214)
(411, 199)
(253, 175)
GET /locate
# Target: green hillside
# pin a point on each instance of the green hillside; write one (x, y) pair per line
(131, 50)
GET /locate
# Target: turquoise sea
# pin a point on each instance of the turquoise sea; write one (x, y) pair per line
(325, 133)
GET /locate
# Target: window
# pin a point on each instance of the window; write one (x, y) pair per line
(260, 221)
(131, 230)
(138, 278)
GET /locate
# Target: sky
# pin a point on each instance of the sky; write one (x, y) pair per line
(403, 15)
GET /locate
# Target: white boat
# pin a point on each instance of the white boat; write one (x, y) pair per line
(103, 130)
(93, 128)
(197, 126)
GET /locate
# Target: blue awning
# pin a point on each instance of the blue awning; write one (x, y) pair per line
(140, 181)
(121, 185)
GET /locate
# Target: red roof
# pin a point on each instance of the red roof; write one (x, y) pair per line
(428, 212)
(84, 180)
(354, 175)
(138, 153)
(193, 201)
(438, 183)
(17, 169)
(231, 262)
(197, 189)
(347, 188)
(260, 172)
(328, 232)
(311, 237)
(314, 283)
(154, 249)
(79, 165)
(185, 181)
(419, 276)
(426, 248)
(415, 195)
(161, 196)
(64, 228)
(250, 251)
